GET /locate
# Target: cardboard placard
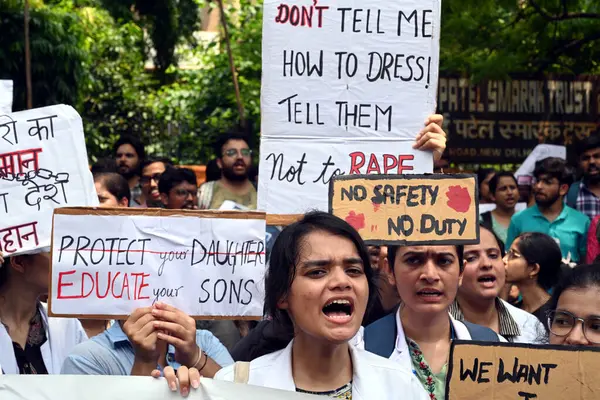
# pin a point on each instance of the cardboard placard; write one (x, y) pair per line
(108, 262)
(346, 89)
(502, 371)
(408, 209)
(43, 166)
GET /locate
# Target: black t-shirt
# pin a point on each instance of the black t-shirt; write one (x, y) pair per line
(542, 314)
(29, 359)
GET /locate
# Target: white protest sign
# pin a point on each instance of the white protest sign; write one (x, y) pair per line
(6, 96)
(43, 166)
(337, 80)
(93, 387)
(110, 262)
(307, 178)
(492, 206)
(540, 152)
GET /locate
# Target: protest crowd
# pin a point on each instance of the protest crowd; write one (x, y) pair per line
(335, 309)
(342, 316)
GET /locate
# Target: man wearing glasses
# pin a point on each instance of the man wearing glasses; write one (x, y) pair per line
(178, 189)
(152, 170)
(234, 158)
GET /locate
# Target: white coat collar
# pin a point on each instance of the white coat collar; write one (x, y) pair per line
(275, 371)
(7, 354)
(401, 353)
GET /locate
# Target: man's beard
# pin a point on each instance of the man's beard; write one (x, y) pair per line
(128, 174)
(229, 174)
(547, 202)
(593, 179)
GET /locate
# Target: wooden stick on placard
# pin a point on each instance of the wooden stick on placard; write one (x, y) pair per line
(28, 58)
(236, 85)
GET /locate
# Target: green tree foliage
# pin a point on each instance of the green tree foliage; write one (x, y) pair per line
(492, 38)
(91, 54)
(57, 56)
(168, 22)
(205, 99)
(114, 98)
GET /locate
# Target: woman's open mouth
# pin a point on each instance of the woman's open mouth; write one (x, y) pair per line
(430, 295)
(487, 281)
(339, 310)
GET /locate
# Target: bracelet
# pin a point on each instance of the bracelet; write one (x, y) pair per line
(205, 361)
(199, 358)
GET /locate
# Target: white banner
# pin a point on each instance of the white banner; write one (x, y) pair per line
(540, 152)
(43, 166)
(295, 173)
(204, 263)
(6, 96)
(336, 72)
(88, 387)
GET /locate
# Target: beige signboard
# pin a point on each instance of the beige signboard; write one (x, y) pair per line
(503, 371)
(408, 209)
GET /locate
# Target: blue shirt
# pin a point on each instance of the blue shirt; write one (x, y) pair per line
(111, 353)
(570, 229)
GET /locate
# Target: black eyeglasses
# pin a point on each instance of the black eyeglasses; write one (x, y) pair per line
(561, 323)
(235, 152)
(144, 179)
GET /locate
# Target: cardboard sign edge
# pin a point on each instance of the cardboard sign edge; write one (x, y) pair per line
(402, 242)
(528, 346)
(97, 211)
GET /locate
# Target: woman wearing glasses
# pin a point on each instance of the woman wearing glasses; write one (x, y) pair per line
(574, 318)
(533, 263)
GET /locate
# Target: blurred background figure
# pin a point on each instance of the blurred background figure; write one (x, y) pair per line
(178, 189)
(151, 172)
(503, 190)
(534, 264)
(484, 175)
(130, 154)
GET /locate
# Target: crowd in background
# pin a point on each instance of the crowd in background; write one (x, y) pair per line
(342, 319)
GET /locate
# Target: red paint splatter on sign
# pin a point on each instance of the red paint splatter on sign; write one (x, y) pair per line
(356, 220)
(376, 207)
(459, 198)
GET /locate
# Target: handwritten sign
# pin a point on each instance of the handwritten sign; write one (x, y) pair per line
(43, 166)
(6, 96)
(345, 90)
(498, 371)
(110, 262)
(93, 387)
(408, 209)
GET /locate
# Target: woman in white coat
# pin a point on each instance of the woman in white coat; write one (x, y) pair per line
(319, 283)
(30, 342)
(479, 299)
(419, 335)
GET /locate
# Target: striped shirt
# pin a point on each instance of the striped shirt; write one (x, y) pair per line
(508, 326)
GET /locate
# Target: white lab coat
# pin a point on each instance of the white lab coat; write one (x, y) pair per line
(532, 330)
(62, 335)
(374, 377)
(401, 354)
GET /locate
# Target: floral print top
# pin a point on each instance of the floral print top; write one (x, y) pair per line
(434, 384)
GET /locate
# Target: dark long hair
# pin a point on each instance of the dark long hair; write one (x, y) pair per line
(581, 277)
(285, 256)
(539, 248)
